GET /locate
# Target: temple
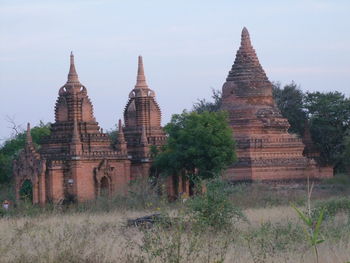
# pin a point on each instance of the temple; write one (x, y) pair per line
(142, 129)
(265, 149)
(79, 162)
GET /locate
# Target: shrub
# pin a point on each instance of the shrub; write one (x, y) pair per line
(213, 208)
(332, 207)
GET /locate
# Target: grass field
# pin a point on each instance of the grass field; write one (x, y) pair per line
(97, 231)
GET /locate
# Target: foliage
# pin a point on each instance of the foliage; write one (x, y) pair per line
(26, 191)
(312, 225)
(332, 207)
(330, 119)
(289, 100)
(203, 105)
(198, 144)
(213, 209)
(268, 239)
(10, 149)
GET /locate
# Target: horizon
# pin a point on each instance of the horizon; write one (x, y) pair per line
(187, 48)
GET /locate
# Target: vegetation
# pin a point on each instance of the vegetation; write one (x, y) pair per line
(329, 115)
(290, 101)
(198, 145)
(262, 232)
(203, 105)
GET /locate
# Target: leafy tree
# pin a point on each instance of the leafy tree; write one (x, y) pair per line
(329, 115)
(11, 147)
(199, 145)
(203, 105)
(289, 100)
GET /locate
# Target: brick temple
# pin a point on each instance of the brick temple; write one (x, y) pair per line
(265, 149)
(79, 162)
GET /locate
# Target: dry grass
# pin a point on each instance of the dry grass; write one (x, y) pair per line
(103, 237)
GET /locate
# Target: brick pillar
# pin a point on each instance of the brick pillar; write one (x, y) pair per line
(42, 189)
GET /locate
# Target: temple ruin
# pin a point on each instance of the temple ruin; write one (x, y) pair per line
(79, 162)
(265, 149)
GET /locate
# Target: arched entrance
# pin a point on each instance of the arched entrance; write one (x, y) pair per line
(104, 186)
(26, 191)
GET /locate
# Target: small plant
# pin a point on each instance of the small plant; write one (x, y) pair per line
(312, 226)
(213, 208)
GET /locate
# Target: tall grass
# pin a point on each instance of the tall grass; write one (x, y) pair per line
(96, 231)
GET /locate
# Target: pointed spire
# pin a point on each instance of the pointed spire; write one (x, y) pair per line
(72, 75)
(29, 139)
(245, 39)
(141, 78)
(246, 67)
(143, 140)
(121, 139)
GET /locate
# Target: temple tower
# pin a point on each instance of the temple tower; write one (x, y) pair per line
(142, 129)
(265, 149)
(77, 160)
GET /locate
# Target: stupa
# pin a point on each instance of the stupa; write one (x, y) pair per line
(142, 116)
(265, 149)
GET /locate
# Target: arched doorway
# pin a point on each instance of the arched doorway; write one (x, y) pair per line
(26, 191)
(104, 186)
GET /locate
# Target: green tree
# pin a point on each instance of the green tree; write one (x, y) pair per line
(203, 105)
(329, 115)
(290, 101)
(11, 147)
(199, 145)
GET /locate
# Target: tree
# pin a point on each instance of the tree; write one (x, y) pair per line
(290, 101)
(329, 115)
(200, 145)
(11, 147)
(203, 105)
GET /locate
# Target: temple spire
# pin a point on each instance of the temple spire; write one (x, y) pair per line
(245, 39)
(141, 78)
(121, 139)
(72, 75)
(246, 67)
(29, 139)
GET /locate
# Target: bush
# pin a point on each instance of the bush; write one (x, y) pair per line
(332, 207)
(214, 208)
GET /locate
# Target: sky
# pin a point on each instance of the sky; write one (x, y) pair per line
(188, 47)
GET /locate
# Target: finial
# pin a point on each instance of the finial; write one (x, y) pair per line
(72, 75)
(143, 140)
(29, 139)
(120, 128)
(120, 132)
(245, 38)
(71, 58)
(141, 79)
(121, 139)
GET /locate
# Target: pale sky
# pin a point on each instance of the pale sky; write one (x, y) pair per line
(188, 47)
